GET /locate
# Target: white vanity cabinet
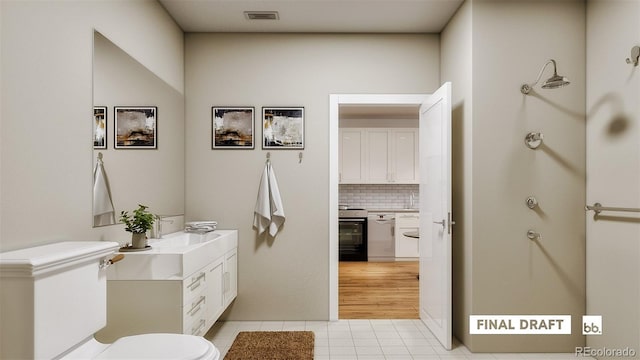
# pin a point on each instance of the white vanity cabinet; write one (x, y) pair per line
(230, 278)
(407, 247)
(222, 285)
(214, 292)
(139, 302)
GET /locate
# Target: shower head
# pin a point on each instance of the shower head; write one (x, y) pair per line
(553, 82)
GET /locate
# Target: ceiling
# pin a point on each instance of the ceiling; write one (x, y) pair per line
(316, 16)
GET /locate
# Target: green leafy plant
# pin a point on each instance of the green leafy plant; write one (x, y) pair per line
(141, 221)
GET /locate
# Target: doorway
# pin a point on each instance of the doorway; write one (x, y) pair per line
(335, 102)
(379, 167)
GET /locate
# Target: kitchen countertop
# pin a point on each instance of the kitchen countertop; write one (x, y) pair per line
(393, 210)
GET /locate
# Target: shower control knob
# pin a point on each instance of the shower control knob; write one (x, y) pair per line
(533, 140)
(532, 235)
(532, 203)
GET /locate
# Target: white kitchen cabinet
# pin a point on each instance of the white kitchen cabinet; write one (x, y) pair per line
(407, 247)
(404, 155)
(352, 156)
(378, 156)
(378, 145)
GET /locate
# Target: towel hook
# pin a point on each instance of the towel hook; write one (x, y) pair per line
(635, 56)
(268, 156)
(99, 156)
(300, 157)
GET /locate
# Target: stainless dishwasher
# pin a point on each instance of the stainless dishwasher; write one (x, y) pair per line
(381, 236)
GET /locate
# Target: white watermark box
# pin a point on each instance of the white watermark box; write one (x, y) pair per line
(520, 324)
(592, 325)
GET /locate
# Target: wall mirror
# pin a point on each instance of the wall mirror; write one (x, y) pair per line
(138, 172)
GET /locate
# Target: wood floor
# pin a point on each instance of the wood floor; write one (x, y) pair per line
(378, 290)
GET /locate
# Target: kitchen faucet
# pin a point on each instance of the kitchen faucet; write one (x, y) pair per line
(412, 197)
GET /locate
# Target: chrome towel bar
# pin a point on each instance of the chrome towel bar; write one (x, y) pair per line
(598, 208)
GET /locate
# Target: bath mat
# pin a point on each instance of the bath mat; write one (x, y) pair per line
(273, 345)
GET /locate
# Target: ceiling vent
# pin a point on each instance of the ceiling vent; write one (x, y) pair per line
(261, 15)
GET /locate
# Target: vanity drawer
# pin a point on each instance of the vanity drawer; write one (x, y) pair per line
(198, 327)
(194, 315)
(193, 285)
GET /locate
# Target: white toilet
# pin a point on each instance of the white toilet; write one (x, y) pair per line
(53, 299)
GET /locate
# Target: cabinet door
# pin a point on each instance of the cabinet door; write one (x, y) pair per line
(405, 156)
(378, 141)
(215, 291)
(407, 247)
(352, 160)
(230, 276)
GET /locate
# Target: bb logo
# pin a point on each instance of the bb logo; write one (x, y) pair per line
(591, 325)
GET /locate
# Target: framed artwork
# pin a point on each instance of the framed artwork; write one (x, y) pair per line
(99, 127)
(283, 128)
(136, 127)
(232, 128)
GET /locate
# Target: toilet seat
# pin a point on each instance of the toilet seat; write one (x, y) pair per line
(161, 346)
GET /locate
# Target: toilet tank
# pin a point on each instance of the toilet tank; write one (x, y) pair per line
(52, 297)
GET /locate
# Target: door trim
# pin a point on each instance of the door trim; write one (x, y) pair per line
(335, 100)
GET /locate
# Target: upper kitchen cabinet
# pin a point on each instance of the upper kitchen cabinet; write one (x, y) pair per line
(378, 156)
(403, 167)
(352, 156)
(379, 148)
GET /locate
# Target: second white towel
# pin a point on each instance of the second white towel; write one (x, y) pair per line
(103, 211)
(269, 211)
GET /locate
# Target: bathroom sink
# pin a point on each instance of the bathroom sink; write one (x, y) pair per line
(174, 257)
(182, 239)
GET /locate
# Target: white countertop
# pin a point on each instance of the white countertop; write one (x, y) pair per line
(393, 210)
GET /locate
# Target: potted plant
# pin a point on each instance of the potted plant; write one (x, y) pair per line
(138, 224)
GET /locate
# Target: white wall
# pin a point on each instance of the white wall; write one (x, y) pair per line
(502, 272)
(613, 172)
(45, 144)
(285, 278)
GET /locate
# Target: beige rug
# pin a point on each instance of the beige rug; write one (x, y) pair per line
(273, 345)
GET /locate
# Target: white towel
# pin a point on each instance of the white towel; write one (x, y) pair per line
(277, 210)
(268, 212)
(262, 211)
(103, 211)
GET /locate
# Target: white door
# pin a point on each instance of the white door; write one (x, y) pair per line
(435, 214)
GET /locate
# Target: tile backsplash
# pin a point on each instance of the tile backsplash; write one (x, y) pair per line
(384, 196)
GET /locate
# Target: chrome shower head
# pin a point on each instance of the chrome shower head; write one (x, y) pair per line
(553, 82)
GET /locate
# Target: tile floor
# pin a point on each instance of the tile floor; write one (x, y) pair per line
(365, 339)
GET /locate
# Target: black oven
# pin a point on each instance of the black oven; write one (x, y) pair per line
(352, 235)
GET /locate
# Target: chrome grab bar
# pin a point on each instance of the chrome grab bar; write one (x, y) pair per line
(598, 208)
